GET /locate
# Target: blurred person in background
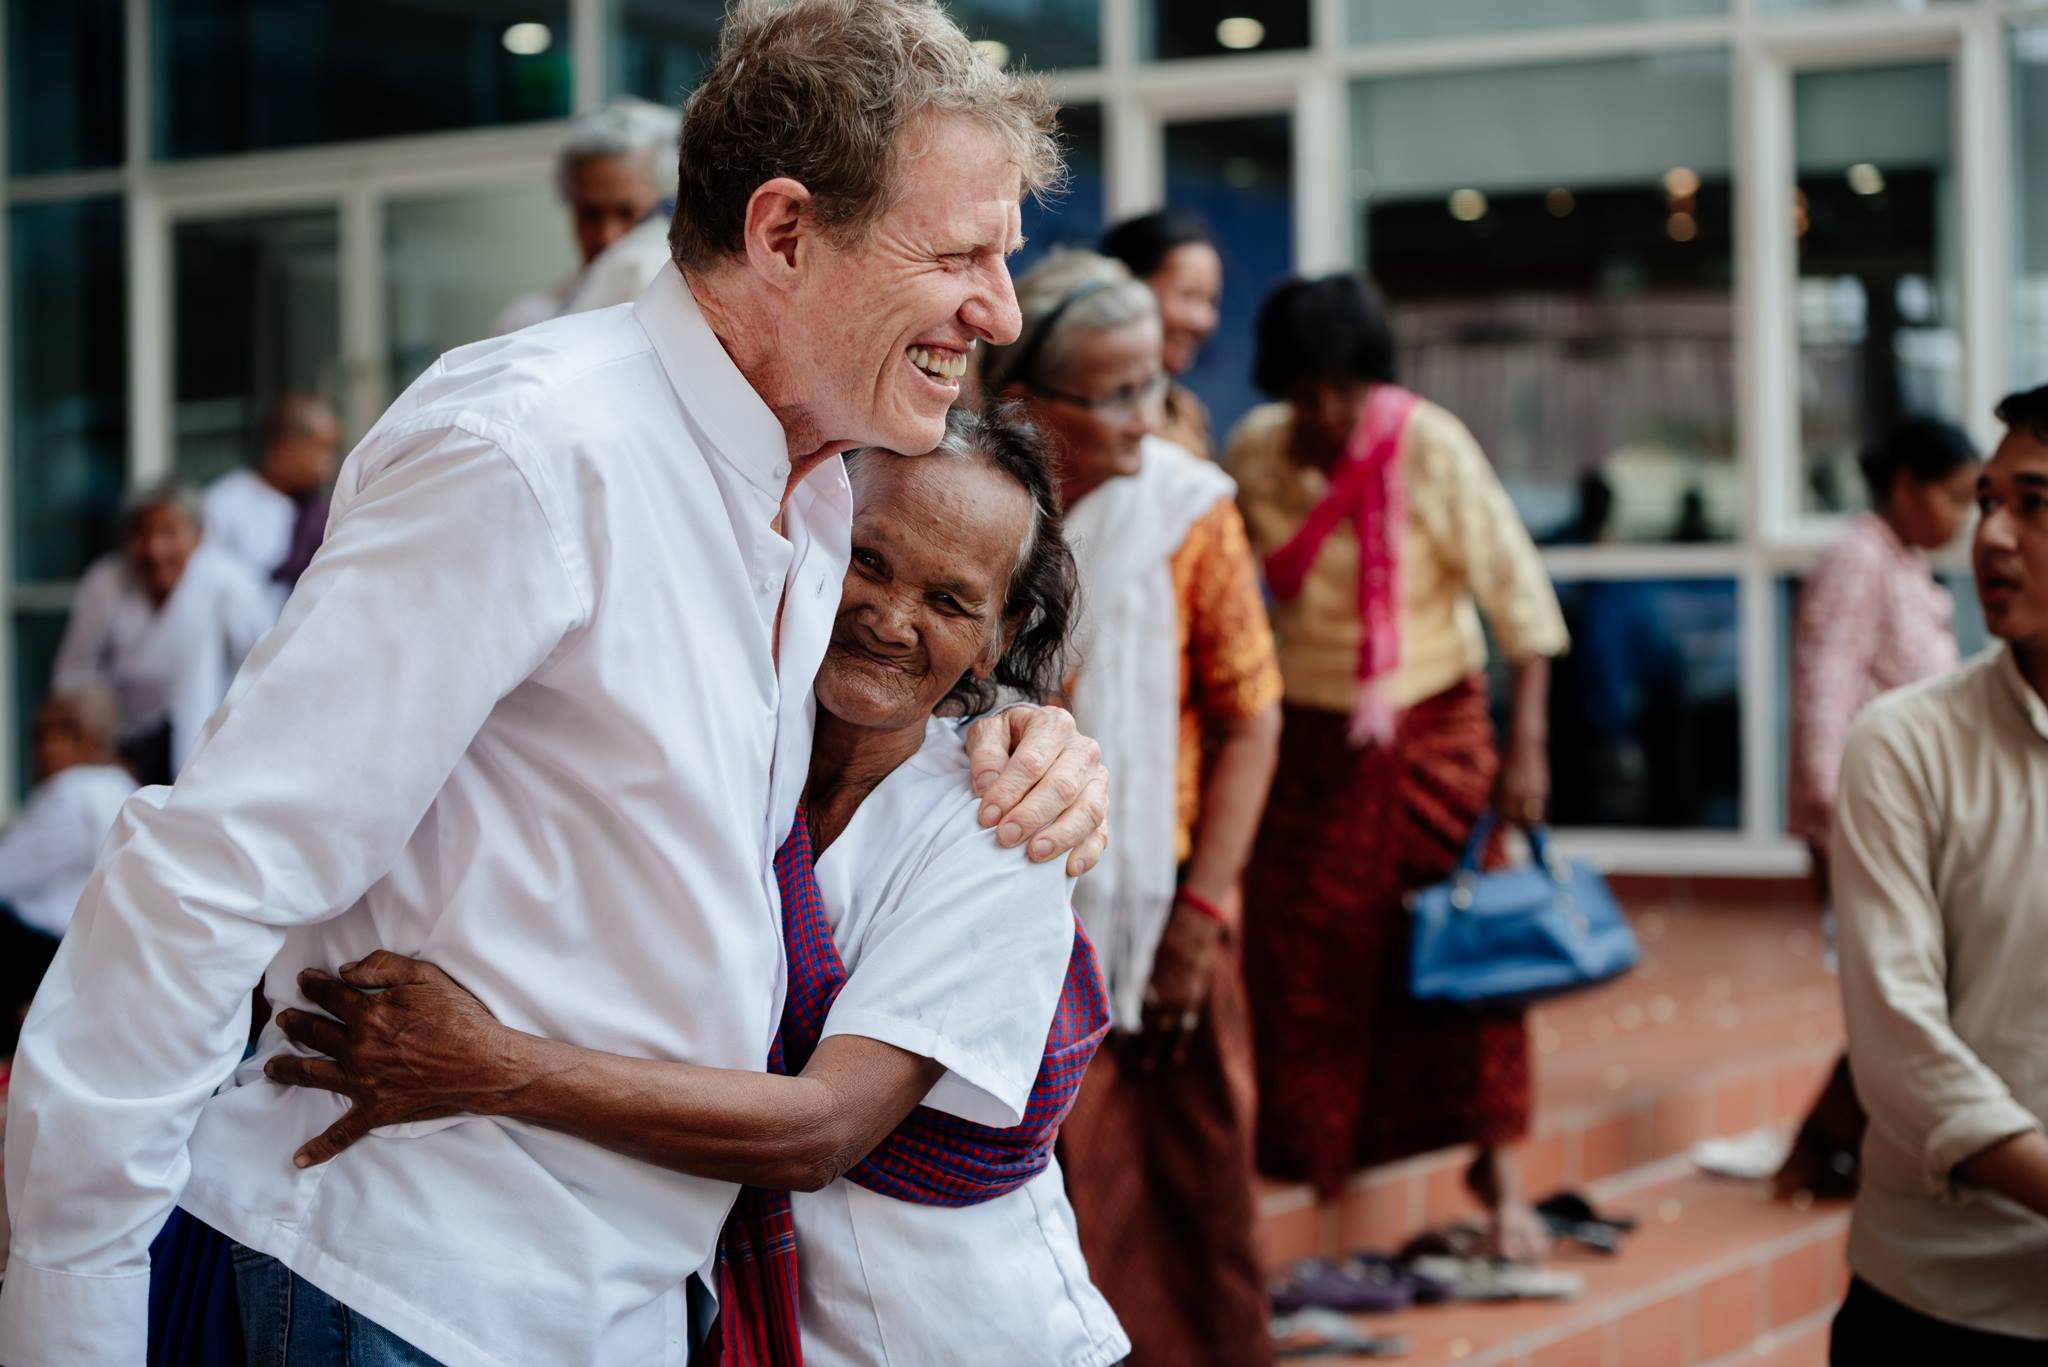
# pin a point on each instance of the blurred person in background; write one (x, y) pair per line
(164, 624)
(1385, 534)
(617, 176)
(1871, 619)
(1174, 253)
(270, 515)
(47, 851)
(1941, 817)
(1175, 674)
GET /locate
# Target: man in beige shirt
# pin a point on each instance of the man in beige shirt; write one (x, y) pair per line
(1941, 884)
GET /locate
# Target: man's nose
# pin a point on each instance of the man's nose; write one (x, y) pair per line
(1995, 531)
(992, 312)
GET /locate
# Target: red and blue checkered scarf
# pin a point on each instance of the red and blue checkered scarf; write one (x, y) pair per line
(931, 1159)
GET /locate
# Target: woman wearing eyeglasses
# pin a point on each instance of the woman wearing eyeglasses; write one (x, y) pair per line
(1178, 679)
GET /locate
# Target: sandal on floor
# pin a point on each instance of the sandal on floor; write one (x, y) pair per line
(1752, 1157)
(1325, 1333)
(1494, 1279)
(1363, 1285)
(1568, 1215)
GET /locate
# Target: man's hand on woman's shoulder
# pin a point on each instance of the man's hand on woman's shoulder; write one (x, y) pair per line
(1041, 780)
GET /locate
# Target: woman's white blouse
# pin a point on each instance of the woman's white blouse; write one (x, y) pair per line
(956, 949)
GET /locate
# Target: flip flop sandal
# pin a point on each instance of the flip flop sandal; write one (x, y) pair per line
(1354, 1285)
(1569, 1205)
(1325, 1333)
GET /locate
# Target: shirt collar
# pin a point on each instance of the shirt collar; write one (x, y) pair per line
(2030, 703)
(743, 429)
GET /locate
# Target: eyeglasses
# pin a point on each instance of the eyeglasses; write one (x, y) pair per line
(1121, 403)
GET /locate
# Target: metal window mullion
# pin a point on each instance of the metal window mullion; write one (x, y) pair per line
(1321, 179)
(363, 379)
(152, 343)
(589, 54)
(1984, 218)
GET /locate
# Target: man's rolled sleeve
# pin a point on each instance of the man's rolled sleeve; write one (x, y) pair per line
(1923, 1086)
(442, 587)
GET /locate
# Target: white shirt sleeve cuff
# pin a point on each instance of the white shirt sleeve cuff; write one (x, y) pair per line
(1967, 1133)
(67, 1319)
(973, 1088)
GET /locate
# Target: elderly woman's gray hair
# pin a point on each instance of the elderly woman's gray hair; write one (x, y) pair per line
(630, 129)
(166, 493)
(822, 91)
(1069, 295)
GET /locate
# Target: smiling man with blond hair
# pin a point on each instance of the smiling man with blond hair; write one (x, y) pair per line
(540, 709)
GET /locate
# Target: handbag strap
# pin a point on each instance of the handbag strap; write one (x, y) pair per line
(1482, 831)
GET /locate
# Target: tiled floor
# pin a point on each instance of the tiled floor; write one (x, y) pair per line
(1730, 1023)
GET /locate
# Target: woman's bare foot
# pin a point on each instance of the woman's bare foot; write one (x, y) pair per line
(1513, 1228)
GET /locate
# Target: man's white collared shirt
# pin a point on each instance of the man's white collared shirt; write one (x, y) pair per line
(522, 717)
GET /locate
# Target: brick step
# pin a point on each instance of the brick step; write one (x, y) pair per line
(1716, 1274)
(1730, 1024)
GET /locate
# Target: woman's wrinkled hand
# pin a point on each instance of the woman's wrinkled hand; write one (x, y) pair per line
(402, 1041)
(1183, 974)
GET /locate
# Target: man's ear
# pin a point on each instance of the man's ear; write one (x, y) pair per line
(777, 224)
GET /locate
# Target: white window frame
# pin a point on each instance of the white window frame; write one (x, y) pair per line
(1138, 100)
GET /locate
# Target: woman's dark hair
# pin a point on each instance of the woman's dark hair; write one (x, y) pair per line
(1143, 243)
(1925, 450)
(1045, 582)
(1333, 328)
(2028, 410)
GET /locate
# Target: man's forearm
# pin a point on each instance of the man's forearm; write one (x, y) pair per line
(2016, 1168)
(1233, 800)
(761, 1129)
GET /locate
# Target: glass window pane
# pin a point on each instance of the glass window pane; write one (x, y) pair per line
(238, 75)
(37, 633)
(1376, 21)
(1645, 712)
(2030, 193)
(1239, 175)
(1221, 28)
(1074, 219)
(661, 47)
(1045, 35)
(1560, 278)
(453, 263)
(257, 313)
(69, 330)
(1876, 301)
(64, 86)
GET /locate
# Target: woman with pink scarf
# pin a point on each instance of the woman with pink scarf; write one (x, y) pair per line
(1385, 538)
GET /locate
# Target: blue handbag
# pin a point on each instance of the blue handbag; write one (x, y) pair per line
(1518, 935)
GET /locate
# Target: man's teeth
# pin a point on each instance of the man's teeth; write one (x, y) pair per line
(944, 365)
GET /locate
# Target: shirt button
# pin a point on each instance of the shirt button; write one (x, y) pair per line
(767, 583)
(782, 470)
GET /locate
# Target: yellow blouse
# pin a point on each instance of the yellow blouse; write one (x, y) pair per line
(1465, 552)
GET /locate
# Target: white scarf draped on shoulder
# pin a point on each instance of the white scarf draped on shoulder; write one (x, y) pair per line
(1127, 696)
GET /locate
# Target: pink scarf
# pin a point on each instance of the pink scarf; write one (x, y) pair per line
(1365, 487)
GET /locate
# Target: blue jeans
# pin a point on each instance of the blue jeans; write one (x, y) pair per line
(289, 1322)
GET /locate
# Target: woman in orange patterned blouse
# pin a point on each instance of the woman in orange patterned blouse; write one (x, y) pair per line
(1175, 673)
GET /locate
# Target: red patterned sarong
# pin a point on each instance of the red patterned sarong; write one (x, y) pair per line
(1352, 1071)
